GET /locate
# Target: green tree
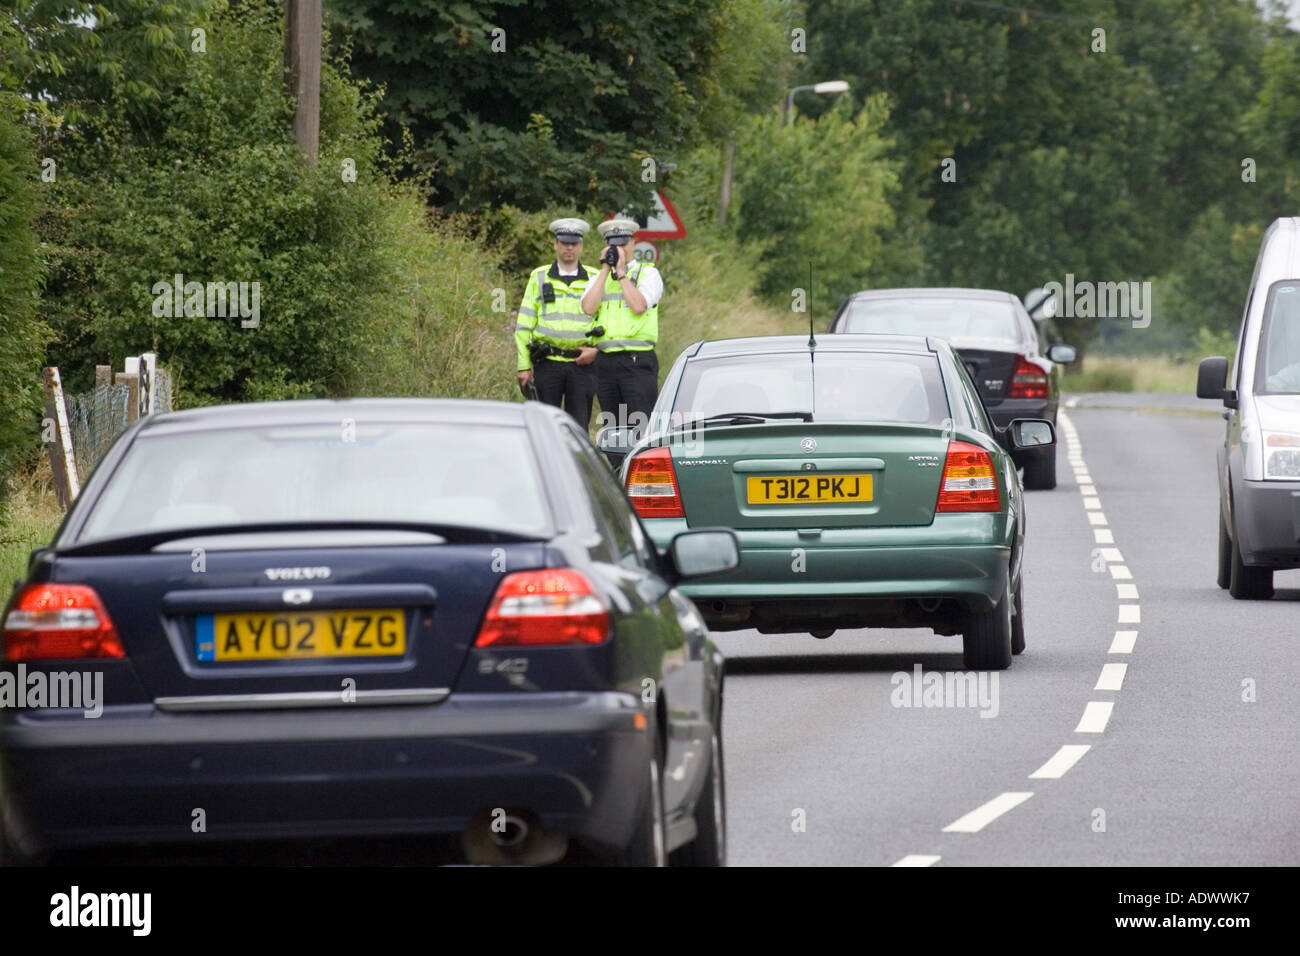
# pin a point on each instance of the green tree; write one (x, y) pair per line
(212, 187)
(22, 343)
(815, 195)
(527, 102)
(1062, 156)
(79, 62)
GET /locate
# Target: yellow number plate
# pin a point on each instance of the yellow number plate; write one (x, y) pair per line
(293, 635)
(808, 489)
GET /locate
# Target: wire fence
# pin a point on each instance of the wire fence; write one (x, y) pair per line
(97, 417)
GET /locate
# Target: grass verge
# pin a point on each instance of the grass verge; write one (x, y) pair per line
(1123, 373)
(29, 521)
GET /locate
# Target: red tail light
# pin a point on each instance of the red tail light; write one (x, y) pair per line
(553, 606)
(652, 485)
(1029, 381)
(58, 622)
(969, 480)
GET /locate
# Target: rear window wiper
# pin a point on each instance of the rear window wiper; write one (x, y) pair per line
(753, 418)
(145, 541)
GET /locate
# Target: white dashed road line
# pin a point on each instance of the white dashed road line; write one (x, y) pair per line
(1112, 677)
(1123, 642)
(1095, 717)
(1061, 761)
(980, 817)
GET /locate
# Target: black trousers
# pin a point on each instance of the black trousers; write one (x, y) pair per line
(569, 382)
(629, 383)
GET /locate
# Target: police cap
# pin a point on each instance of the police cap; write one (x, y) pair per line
(570, 230)
(618, 232)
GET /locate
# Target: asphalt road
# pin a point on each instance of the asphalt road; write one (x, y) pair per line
(1184, 770)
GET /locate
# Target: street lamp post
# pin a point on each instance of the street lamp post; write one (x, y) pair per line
(830, 86)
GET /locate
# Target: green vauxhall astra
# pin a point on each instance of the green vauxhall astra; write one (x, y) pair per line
(862, 476)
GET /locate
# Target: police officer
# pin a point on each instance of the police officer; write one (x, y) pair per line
(624, 296)
(553, 336)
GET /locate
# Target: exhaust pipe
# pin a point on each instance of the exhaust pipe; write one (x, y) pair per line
(510, 836)
(513, 831)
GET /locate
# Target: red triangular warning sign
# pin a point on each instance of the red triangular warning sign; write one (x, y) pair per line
(664, 223)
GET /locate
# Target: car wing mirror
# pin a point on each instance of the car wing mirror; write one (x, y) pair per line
(705, 552)
(1211, 375)
(1027, 433)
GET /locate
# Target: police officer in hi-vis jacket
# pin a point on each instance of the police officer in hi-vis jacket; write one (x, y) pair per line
(624, 297)
(554, 337)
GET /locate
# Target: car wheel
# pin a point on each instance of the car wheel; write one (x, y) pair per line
(1248, 583)
(1018, 619)
(986, 639)
(1040, 471)
(709, 848)
(1225, 555)
(649, 843)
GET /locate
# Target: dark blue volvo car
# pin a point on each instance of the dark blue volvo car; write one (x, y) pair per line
(365, 618)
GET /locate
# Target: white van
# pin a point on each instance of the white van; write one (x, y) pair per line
(1259, 460)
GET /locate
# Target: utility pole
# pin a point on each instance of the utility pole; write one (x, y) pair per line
(302, 40)
(728, 165)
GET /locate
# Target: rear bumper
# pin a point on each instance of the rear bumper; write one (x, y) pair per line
(975, 574)
(1266, 521)
(572, 759)
(1010, 409)
(965, 558)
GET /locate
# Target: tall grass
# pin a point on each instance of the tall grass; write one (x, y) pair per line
(1122, 373)
(453, 335)
(30, 518)
(708, 295)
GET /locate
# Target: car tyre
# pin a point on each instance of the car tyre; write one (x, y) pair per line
(648, 846)
(1225, 554)
(986, 639)
(1246, 583)
(709, 848)
(1018, 619)
(1040, 471)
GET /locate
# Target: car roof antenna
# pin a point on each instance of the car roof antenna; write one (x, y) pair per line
(812, 339)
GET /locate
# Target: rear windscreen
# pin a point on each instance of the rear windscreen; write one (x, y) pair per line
(480, 476)
(839, 386)
(947, 319)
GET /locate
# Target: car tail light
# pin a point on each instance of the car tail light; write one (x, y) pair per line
(553, 606)
(652, 485)
(58, 622)
(1029, 381)
(969, 480)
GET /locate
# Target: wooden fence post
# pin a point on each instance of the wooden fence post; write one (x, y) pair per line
(63, 463)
